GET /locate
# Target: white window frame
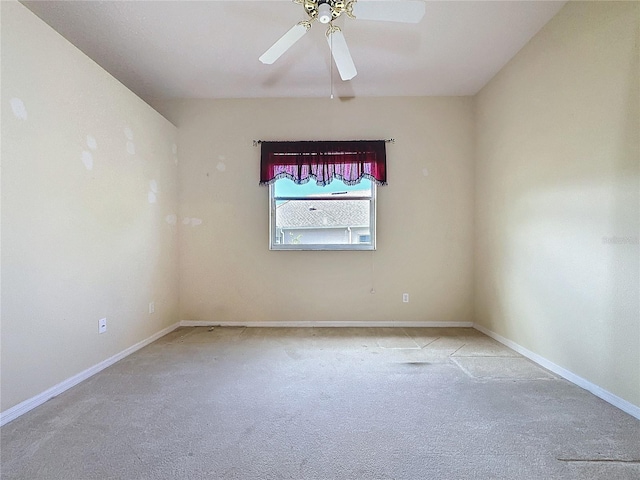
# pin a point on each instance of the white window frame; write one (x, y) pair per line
(334, 247)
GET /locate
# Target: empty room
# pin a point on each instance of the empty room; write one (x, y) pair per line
(320, 239)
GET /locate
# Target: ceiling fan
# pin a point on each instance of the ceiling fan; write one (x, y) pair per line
(326, 11)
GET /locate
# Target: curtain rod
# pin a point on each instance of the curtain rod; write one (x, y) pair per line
(258, 142)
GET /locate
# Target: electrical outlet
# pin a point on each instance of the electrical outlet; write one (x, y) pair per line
(405, 297)
(152, 307)
(102, 325)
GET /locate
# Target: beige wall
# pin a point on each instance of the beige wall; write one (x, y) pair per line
(80, 239)
(557, 177)
(227, 272)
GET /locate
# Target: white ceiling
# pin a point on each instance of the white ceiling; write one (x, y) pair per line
(210, 49)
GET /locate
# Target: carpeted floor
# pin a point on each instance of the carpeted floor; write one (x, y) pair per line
(323, 403)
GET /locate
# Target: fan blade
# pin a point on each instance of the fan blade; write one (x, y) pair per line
(407, 11)
(284, 43)
(341, 55)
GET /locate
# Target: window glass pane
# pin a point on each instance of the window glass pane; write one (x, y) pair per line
(334, 215)
(323, 221)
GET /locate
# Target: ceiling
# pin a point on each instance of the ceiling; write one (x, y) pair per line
(210, 49)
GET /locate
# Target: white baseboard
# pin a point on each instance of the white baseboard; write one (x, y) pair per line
(355, 323)
(33, 402)
(605, 395)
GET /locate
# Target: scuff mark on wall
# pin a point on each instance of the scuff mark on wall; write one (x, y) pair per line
(174, 150)
(193, 221)
(131, 148)
(91, 142)
(87, 159)
(153, 191)
(18, 108)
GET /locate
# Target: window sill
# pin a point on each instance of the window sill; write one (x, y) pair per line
(310, 247)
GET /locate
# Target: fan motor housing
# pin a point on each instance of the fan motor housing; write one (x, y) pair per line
(337, 7)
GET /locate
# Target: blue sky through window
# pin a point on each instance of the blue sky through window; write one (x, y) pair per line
(286, 188)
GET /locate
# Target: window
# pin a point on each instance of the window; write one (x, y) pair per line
(335, 211)
(312, 217)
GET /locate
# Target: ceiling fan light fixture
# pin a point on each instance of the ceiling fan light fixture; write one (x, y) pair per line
(324, 13)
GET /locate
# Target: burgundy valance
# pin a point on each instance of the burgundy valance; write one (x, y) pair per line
(348, 161)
